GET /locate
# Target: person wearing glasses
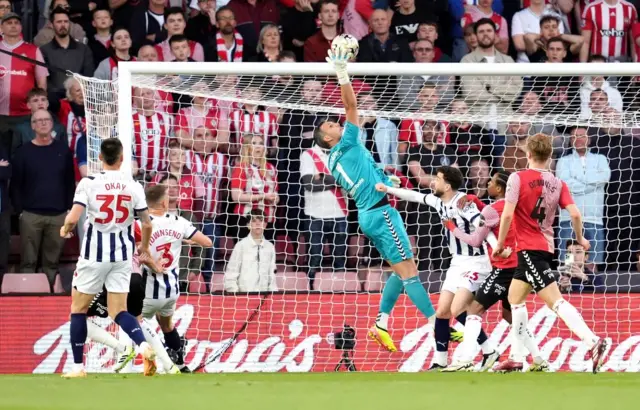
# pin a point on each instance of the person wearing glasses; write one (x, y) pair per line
(42, 188)
(252, 267)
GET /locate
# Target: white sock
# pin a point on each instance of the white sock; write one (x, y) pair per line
(487, 347)
(154, 340)
(574, 321)
(77, 367)
(98, 334)
(532, 346)
(472, 329)
(520, 317)
(440, 358)
(383, 320)
(517, 353)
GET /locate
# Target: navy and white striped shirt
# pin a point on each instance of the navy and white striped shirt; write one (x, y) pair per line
(111, 200)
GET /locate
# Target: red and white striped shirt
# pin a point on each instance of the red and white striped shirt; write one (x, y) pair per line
(188, 119)
(261, 123)
(411, 132)
(190, 188)
(151, 138)
(211, 169)
(250, 180)
(75, 126)
(164, 51)
(18, 77)
(609, 26)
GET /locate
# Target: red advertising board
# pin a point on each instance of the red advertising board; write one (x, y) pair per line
(293, 333)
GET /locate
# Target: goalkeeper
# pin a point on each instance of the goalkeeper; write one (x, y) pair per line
(354, 169)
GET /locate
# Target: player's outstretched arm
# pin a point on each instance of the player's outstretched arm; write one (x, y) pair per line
(406, 194)
(201, 239)
(338, 61)
(71, 220)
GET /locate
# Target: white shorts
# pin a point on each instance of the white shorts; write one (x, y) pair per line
(90, 276)
(163, 307)
(466, 273)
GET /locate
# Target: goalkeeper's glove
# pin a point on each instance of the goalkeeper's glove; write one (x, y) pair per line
(395, 181)
(338, 61)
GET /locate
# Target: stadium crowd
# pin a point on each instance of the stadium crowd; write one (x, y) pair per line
(223, 159)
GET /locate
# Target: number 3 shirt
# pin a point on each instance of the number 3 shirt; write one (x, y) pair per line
(111, 199)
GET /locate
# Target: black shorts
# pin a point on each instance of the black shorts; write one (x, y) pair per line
(98, 307)
(495, 288)
(534, 267)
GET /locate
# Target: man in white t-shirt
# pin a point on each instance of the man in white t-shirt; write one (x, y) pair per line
(527, 21)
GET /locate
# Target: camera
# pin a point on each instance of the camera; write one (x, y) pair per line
(345, 339)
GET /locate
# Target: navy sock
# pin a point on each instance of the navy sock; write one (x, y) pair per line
(442, 334)
(482, 337)
(78, 336)
(172, 340)
(131, 327)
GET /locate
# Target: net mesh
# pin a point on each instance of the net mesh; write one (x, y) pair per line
(209, 131)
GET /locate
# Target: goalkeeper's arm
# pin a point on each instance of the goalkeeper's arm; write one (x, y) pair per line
(339, 62)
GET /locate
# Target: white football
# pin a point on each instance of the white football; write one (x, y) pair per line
(345, 42)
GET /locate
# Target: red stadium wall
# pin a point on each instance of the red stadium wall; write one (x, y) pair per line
(292, 333)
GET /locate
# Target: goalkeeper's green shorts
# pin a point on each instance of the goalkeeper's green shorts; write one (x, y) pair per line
(385, 228)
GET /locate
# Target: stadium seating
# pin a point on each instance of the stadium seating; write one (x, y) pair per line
(57, 285)
(374, 280)
(196, 284)
(217, 282)
(25, 283)
(292, 281)
(327, 281)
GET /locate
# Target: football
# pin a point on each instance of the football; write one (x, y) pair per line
(345, 42)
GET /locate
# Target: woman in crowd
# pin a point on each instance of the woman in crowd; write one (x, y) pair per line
(269, 44)
(120, 46)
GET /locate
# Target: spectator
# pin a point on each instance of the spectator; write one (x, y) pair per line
(252, 266)
(484, 10)
(489, 96)
(42, 188)
(316, 46)
(298, 24)
(195, 6)
(251, 118)
(410, 134)
(211, 167)
(599, 104)
(381, 46)
(379, 135)
(120, 46)
(173, 191)
(515, 154)
(200, 113)
(163, 99)
(325, 206)
(124, 10)
(470, 40)
(409, 87)
(576, 275)
(608, 37)
(535, 44)
(269, 45)
(407, 18)
(429, 31)
(587, 175)
(48, 32)
(477, 179)
(558, 95)
(202, 28)
(73, 119)
(423, 161)
(527, 22)
(147, 23)
(151, 132)
(355, 16)
(36, 100)
(254, 185)
(229, 43)
(5, 7)
(179, 46)
(175, 25)
(593, 83)
(458, 9)
(100, 42)
(64, 54)
(251, 17)
(18, 77)
(469, 139)
(5, 209)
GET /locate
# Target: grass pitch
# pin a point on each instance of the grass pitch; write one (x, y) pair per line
(328, 391)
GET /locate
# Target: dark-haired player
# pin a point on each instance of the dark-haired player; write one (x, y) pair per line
(531, 202)
(111, 198)
(354, 169)
(469, 264)
(494, 288)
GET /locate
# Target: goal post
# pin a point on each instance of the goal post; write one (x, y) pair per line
(474, 116)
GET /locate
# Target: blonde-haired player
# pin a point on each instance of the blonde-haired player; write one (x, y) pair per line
(162, 289)
(111, 198)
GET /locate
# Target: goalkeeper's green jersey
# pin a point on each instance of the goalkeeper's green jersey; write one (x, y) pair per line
(353, 167)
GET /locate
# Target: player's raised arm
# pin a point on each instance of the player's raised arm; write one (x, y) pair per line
(408, 194)
(338, 60)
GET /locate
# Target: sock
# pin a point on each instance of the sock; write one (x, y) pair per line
(173, 342)
(77, 337)
(520, 317)
(482, 337)
(532, 346)
(569, 314)
(98, 334)
(419, 296)
(130, 325)
(390, 293)
(153, 339)
(472, 330)
(517, 353)
(441, 334)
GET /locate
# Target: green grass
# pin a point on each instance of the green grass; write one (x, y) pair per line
(328, 391)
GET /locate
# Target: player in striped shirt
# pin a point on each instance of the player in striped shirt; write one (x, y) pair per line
(111, 199)
(470, 265)
(162, 289)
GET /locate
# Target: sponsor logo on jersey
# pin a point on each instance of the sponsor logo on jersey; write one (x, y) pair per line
(612, 33)
(4, 71)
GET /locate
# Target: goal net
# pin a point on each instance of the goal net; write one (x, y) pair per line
(231, 138)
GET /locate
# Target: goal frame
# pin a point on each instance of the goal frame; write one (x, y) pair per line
(126, 71)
